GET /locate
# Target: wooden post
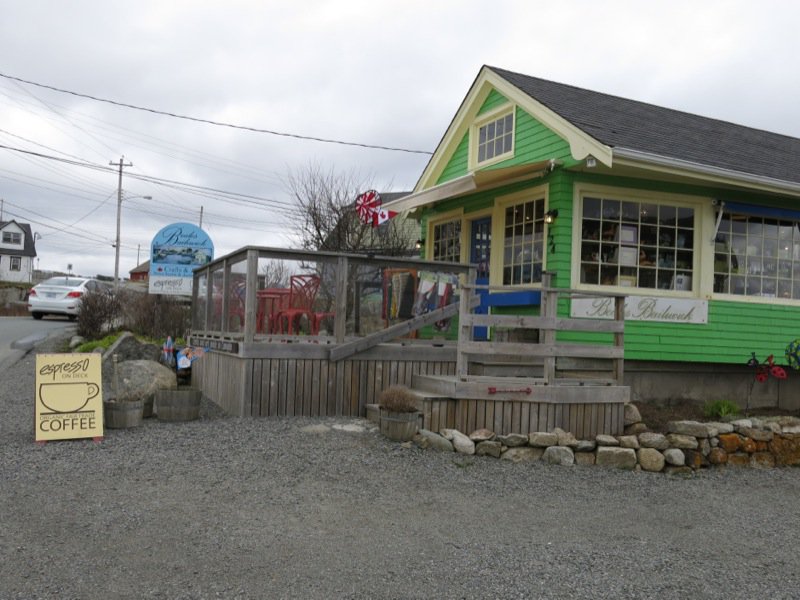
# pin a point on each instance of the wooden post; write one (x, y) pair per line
(195, 320)
(549, 308)
(340, 301)
(226, 294)
(619, 338)
(251, 283)
(464, 326)
(209, 299)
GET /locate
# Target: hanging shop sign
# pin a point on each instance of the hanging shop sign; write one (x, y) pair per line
(644, 308)
(176, 251)
(69, 397)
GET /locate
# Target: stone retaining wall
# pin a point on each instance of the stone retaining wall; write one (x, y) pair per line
(688, 445)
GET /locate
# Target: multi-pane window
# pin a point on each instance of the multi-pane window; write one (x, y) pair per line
(447, 241)
(16, 263)
(12, 237)
(756, 256)
(496, 138)
(637, 244)
(523, 242)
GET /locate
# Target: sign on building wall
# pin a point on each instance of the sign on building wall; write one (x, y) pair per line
(176, 251)
(644, 308)
(69, 397)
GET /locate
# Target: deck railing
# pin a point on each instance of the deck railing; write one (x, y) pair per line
(547, 350)
(239, 296)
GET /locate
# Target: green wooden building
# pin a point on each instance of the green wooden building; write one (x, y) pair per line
(696, 220)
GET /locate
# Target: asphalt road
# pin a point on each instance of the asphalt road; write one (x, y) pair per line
(20, 334)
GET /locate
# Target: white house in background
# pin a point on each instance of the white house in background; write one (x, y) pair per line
(17, 251)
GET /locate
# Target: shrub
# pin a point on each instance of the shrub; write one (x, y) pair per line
(720, 408)
(98, 313)
(398, 399)
(155, 316)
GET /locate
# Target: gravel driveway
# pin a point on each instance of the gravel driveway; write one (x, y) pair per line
(285, 508)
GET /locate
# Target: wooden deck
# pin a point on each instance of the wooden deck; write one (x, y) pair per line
(507, 385)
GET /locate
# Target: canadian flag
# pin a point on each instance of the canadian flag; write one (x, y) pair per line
(381, 216)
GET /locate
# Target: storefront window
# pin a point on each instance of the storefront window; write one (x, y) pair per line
(756, 256)
(637, 244)
(523, 242)
(447, 240)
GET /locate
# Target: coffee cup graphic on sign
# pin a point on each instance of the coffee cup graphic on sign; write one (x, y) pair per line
(67, 397)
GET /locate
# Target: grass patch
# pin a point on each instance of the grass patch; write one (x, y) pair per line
(720, 409)
(103, 343)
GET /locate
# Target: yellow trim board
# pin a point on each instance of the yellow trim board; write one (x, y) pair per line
(581, 144)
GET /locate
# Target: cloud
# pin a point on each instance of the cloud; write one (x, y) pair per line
(389, 73)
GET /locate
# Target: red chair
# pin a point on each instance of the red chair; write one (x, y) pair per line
(270, 302)
(319, 317)
(302, 293)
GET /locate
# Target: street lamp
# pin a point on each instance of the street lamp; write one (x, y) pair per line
(116, 245)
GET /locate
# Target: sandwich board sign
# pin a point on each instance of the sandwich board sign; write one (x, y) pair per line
(69, 397)
(176, 251)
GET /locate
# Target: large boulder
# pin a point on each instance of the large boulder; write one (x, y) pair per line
(429, 439)
(631, 415)
(127, 347)
(461, 442)
(559, 455)
(522, 454)
(651, 460)
(786, 448)
(137, 379)
(611, 456)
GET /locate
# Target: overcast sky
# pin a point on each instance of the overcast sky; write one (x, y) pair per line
(370, 72)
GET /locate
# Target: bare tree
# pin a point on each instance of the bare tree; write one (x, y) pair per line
(326, 217)
(276, 274)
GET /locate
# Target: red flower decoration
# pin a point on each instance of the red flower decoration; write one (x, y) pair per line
(778, 372)
(761, 377)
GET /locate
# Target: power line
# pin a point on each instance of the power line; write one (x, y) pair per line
(257, 200)
(217, 123)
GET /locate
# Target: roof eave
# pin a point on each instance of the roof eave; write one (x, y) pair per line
(708, 173)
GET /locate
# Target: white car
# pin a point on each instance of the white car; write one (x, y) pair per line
(61, 295)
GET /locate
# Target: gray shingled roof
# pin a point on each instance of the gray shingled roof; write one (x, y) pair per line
(623, 123)
(28, 248)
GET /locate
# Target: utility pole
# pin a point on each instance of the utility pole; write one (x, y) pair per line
(201, 218)
(119, 212)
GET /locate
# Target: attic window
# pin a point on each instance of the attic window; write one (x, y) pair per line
(12, 237)
(495, 138)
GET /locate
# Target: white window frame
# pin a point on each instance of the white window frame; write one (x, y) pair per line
(14, 238)
(539, 193)
(702, 220)
(17, 260)
(484, 120)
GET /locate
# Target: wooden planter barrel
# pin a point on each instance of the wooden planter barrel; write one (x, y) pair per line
(397, 426)
(147, 407)
(119, 415)
(178, 405)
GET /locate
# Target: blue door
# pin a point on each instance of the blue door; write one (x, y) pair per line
(479, 252)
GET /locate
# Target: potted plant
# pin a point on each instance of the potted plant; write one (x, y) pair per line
(399, 413)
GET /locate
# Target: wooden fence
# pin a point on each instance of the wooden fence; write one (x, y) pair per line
(301, 380)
